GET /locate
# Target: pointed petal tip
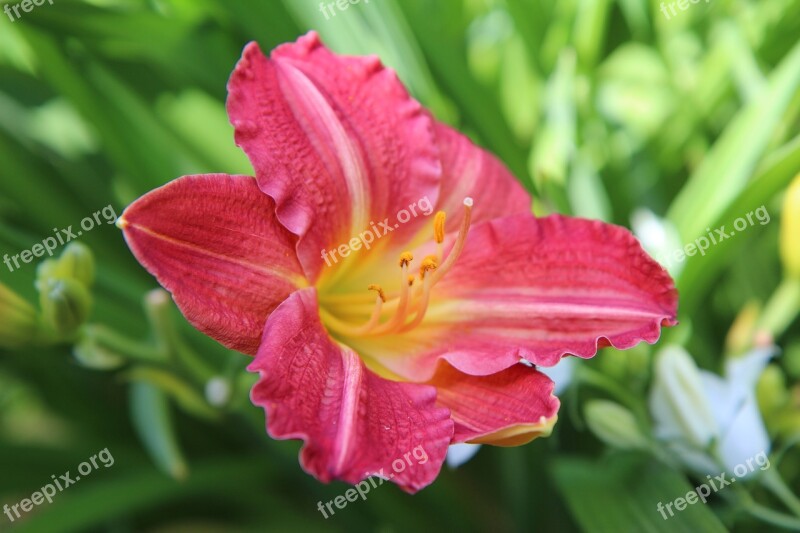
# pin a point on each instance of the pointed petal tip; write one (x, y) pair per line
(519, 434)
(213, 242)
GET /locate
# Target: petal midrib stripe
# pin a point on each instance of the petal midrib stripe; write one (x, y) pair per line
(294, 279)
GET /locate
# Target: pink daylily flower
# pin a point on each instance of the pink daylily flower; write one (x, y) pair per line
(463, 307)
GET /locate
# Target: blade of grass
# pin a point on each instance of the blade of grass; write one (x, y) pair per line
(729, 165)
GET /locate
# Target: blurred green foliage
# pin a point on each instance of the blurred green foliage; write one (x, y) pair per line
(599, 107)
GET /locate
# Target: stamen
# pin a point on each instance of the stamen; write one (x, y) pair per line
(346, 329)
(406, 258)
(402, 306)
(458, 246)
(438, 226)
(438, 231)
(431, 262)
(427, 283)
(379, 290)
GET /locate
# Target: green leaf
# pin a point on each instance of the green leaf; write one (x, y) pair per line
(152, 419)
(621, 493)
(440, 28)
(376, 28)
(725, 171)
(774, 175)
(93, 502)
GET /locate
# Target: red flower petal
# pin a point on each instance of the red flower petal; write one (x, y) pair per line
(535, 289)
(336, 140)
(213, 241)
(509, 408)
(353, 422)
(468, 170)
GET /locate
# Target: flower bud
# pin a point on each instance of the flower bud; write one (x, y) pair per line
(17, 319)
(65, 304)
(614, 425)
(677, 401)
(790, 230)
(76, 263)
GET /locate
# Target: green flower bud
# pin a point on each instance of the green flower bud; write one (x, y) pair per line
(790, 230)
(18, 320)
(614, 425)
(76, 262)
(47, 269)
(65, 304)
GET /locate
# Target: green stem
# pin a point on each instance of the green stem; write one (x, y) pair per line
(773, 517)
(773, 481)
(132, 349)
(158, 306)
(199, 369)
(602, 381)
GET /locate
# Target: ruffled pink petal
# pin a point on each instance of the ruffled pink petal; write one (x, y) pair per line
(509, 408)
(214, 242)
(353, 422)
(336, 141)
(534, 289)
(470, 171)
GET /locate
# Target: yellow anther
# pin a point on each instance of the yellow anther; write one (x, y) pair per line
(379, 290)
(429, 263)
(406, 258)
(458, 245)
(438, 227)
(410, 280)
